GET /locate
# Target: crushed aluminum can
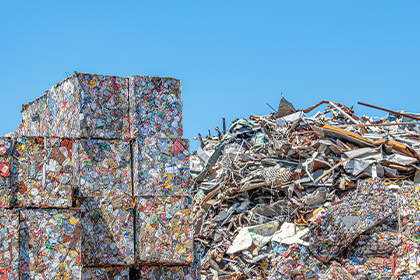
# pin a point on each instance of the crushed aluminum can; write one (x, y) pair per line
(90, 105)
(9, 240)
(155, 107)
(35, 117)
(104, 168)
(49, 244)
(164, 230)
(105, 273)
(43, 172)
(107, 231)
(161, 166)
(6, 146)
(166, 273)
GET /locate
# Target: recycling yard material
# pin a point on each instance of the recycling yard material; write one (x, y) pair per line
(293, 196)
(68, 174)
(97, 183)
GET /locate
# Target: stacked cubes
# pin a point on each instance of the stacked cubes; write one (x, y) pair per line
(98, 175)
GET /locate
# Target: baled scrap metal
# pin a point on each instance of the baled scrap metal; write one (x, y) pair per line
(6, 146)
(105, 273)
(107, 231)
(35, 117)
(104, 168)
(301, 170)
(90, 105)
(371, 204)
(49, 244)
(166, 273)
(43, 172)
(161, 166)
(155, 107)
(9, 244)
(164, 230)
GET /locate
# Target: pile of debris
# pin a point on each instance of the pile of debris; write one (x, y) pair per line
(288, 196)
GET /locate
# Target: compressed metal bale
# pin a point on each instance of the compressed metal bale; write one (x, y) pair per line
(6, 146)
(49, 244)
(166, 273)
(35, 117)
(104, 168)
(155, 107)
(90, 105)
(107, 231)
(161, 166)
(164, 232)
(9, 244)
(43, 172)
(105, 273)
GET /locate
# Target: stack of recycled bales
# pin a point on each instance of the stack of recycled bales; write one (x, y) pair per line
(94, 183)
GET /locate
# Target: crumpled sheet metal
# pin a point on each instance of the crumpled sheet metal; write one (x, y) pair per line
(43, 172)
(164, 230)
(6, 147)
(155, 107)
(166, 273)
(161, 167)
(107, 231)
(50, 244)
(360, 211)
(104, 168)
(35, 117)
(90, 105)
(9, 244)
(105, 273)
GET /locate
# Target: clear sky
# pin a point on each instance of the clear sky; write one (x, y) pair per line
(233, 57)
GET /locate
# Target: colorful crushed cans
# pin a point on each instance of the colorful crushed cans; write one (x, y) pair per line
(42, 174)
(166, 273)
(104, 168)
(6, 146)
(107, 231)
(155, 107)
(9, 240)
(90, 105)
(164, 232)
(50, 244)
(161, 166)
(35, 117)
(105, 273)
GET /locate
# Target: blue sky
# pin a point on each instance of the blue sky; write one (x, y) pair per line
(233, 57)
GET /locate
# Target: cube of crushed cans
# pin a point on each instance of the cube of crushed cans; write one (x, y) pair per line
(35, 117)
(107, 231)
(49, 244)
(105, 273)
(9, 240)
(89, 105)
(164, 230)
(161, 166)
(104, 168)
(43, 172)
(6, 146)
(155, 107)
(166, 273)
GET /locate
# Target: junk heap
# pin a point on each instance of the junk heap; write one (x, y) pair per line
(95, 183)
(288, 196)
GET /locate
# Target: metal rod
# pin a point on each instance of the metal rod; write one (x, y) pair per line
(390, 111)
(377, 124)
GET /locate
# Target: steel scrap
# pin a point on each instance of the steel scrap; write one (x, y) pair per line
(291, 195)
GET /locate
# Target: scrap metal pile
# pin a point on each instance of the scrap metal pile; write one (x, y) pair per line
(95, 183)
(293, 196)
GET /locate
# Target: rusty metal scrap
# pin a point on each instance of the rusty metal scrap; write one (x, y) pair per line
(293, 196)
